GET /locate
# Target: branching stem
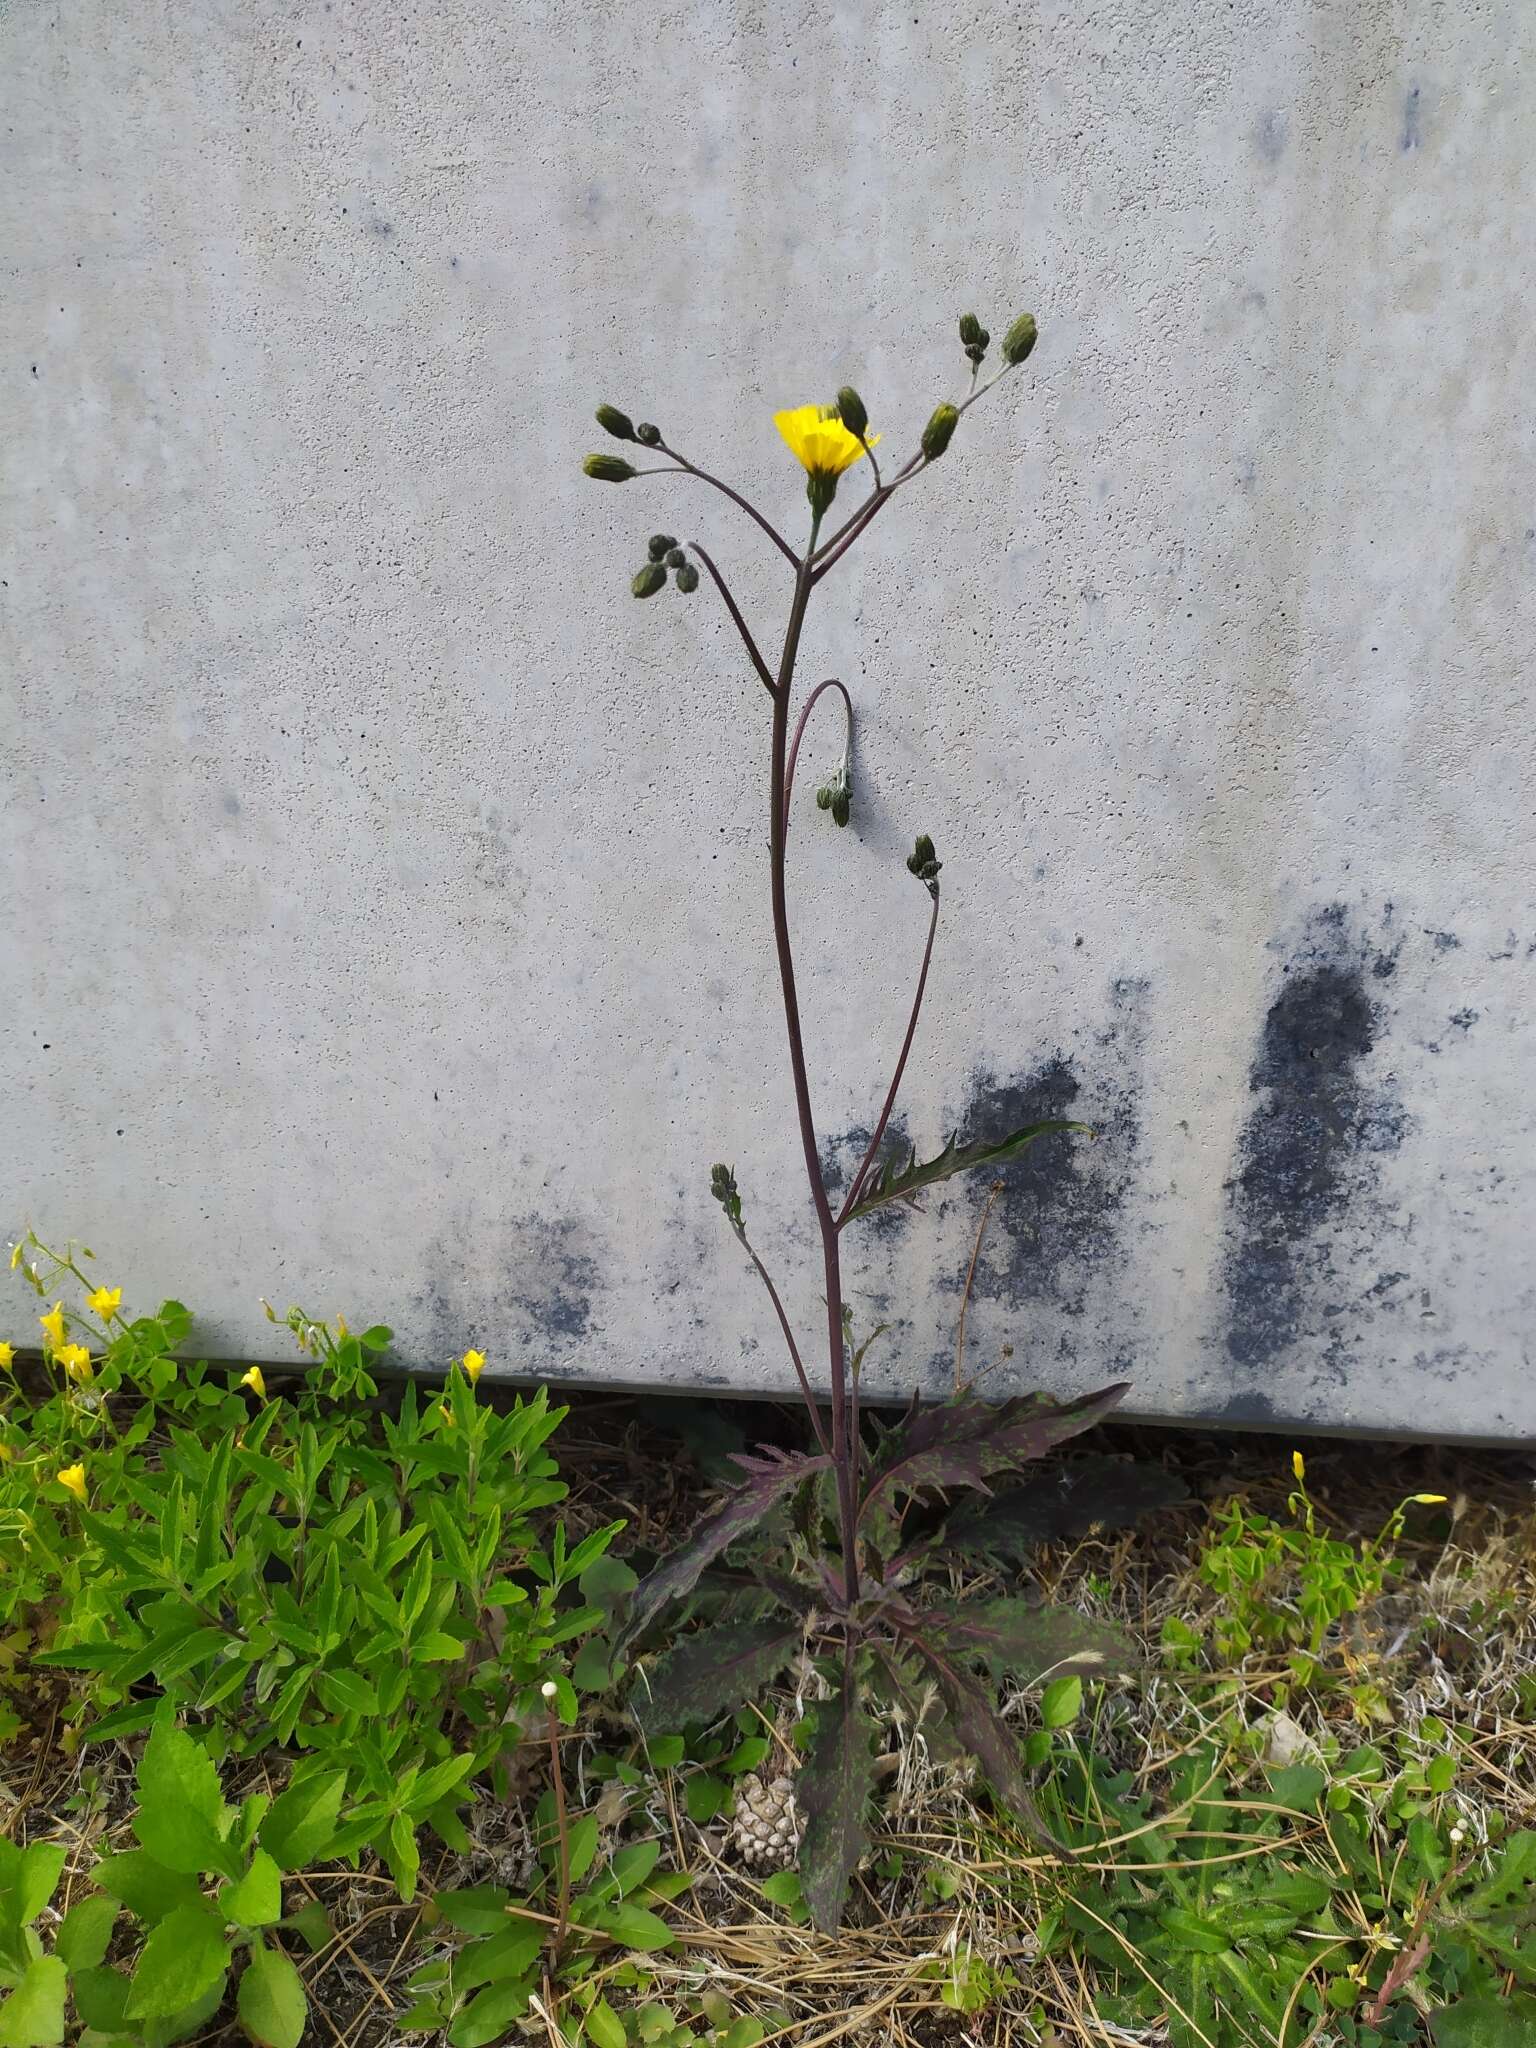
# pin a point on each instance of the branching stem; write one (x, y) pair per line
(831, 683)
(873, 1147)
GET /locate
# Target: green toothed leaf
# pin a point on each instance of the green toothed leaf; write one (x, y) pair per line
(897, 1181)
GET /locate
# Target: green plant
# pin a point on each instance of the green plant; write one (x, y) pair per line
(857, 1563)
(369, 1592)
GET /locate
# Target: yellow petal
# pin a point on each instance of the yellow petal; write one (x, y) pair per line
(1298, 1465)
(474, 1364)
(341, 1327)
(72, 1479)
(105, 1302)
(7, 1353)
(818, 439)
(76, 1361)
(53, 1325)
(1429, 1500)
(253, 1379)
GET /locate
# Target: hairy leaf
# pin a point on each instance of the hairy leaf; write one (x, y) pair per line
(768, 1480)
(1028, 1644)
(713, 1671)
(967, 1442)
(896, 1180)
(833, 1787)
(1095, 1493)
(984, 1733)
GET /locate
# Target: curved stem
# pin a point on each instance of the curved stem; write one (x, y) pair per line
(735, 497)
(901, 1066)
(813, 1406)
(742, 628)
(831, 683)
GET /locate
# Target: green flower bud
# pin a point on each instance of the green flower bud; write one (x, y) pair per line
(939, 431)
(658, 545)
(841, 806)
(1020, 339)
(821, 489)
(722, 1185)
(649, 580)
(647, 435)
(614, 422)
(850, 408)
(970, 330)
(924, 865)
(675, 558)
(824, 798)
(609, 469)
(687, 578)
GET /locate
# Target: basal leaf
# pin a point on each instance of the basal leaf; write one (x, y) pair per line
(768, 1480)
(145, 1887)
(982, 1731)
(897, 1180)
(271, 2000)
(712, 1672)
(85, 1933)
(183, 1960)
(1028, 1644)
(967, 1442)
(1058, 1506)
(833, 1787)
(1486, 2021)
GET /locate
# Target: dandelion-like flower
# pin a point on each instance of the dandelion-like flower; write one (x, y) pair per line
(822, 444)
(72, 1479)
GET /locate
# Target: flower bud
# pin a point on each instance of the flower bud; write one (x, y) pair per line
(1020, 339)
(647, 435)
(649, 580)
(657, 546)
(614, 422)
(824, 797)
(722, 1185)
(841, 806)
(970, 330)
(609, 469)
(850, 408)
(939, 431)
(922, 863)
(675, 558)
(687, 578)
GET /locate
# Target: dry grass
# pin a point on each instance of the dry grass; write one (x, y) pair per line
(1456, 1639)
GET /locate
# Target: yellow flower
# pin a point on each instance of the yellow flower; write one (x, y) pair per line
(15, 1254)
(7, 1353)
(1299, 1467)
(255, 1382)
(823, 446)
(105, 1302)
(445, 1414)
(53, 1326)
(474, 1364)
(341, 1327)
(76, 1361)
(72, 1479)
(1429, 1500)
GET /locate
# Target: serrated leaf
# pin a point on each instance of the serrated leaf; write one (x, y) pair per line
(1059, 1506)
(982, 1731)
(183, 1960)
(255, 1899)
(713, 1672)
(768, 1480)
(182, 1819)
(27, 1879)
(896, 1180)
(144, 1886)
(1029, 1644)
(1512, 1881)
(966, 1442)
(271, 2001)
(1486, 2021)
(833, 1788)
(85, 1933)
(33, 2015)
(299, 1828)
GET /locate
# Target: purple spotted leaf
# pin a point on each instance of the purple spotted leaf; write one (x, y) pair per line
(899, 1180)
(712, 1672)
(966, 1443)
(1059, 1506)
(1017, 1640)
(769, 1479)
(833, 1788)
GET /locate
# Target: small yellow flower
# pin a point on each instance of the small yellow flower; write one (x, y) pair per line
(6, 1454)
(15, 1255)
(817, 437)
(105, 1302)
(474, 1364)
(7, 1353)
(1299, 1467)
(76, 1361)
(1429, 1500)
(255, 1382)
(53, 1326)
(72, 1479)
(341, 1327)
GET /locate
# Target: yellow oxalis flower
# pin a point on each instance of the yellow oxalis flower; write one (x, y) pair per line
(53, 1326)
(255, 1382)
(72, 1479)
(473, 1363)
(7, 1353)
(76, 1361)
(1430, 1500)
(341, 1327)
(819, 440)
(105, 1302)
(1299, 1466)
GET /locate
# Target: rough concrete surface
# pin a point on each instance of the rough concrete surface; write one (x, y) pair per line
(385, 890)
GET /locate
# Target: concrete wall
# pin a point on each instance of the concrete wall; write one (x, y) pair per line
(385, 890)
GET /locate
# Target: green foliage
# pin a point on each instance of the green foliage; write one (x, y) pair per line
(369, 1590)
(901, 1180)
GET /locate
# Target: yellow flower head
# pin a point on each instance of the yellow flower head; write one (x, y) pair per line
(72, 1479)
(53, 1326)
(76, 1361)
(823, 446)
(1299, 1467)
(473, 1363)
(255, 1382)
(1430, 1500)
(341, 1327)
(7, 1353)
(105, 1302)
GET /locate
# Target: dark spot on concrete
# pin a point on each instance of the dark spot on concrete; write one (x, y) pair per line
(1385, 1283)
(554, 1279)
(1445, 942)
(1463, 1020)
(1272, 136)
(1411, 135)
(1247, 1406)
(1305, 1150)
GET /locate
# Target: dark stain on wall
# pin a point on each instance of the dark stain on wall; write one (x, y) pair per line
(553, 1277)
(1308, 1149)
